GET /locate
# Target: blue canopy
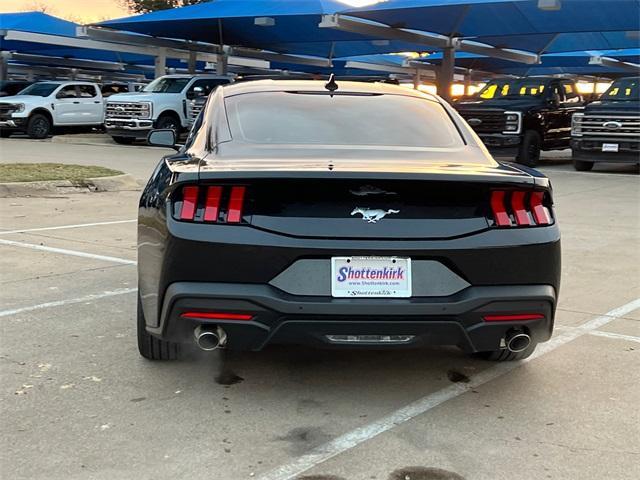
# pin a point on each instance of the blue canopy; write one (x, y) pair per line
(576, 63)
(286, 27)
(517, 24)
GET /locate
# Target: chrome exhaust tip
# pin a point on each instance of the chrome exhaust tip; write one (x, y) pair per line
(209, 338)
(518, 342)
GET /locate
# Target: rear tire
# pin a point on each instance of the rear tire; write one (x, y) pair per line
(39, 126)
(529, 153)
(124, 140)
(504, 355)
(582, 166)
(153, 348)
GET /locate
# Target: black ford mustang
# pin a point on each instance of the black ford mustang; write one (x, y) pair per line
(364, 216)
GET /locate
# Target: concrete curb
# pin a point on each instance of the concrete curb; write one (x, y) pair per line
(117, 183)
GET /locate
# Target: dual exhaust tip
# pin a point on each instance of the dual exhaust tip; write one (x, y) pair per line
(209, 338)
(517, 341)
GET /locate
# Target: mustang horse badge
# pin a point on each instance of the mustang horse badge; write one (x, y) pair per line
(372, 216)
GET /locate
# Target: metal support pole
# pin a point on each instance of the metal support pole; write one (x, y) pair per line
(416, 79)
(222, 64)
(161, 62)
(193, 58)
(4, 65)
(445, 73)
(467, 83)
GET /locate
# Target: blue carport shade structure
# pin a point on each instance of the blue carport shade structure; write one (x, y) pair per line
(289, 26)
(538, 26)
(41, 23)
(576, 63)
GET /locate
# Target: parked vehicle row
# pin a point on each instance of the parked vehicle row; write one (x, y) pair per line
(522, 117)
(515, 117)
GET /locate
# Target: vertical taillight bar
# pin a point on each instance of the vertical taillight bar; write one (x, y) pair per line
(189, 202)
(212, 204)
(500, 214)
(540, 212)
(236, 202)
(519, 210)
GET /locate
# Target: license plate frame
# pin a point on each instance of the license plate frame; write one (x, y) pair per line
(386, 277)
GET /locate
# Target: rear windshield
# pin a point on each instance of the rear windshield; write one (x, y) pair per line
(344, 119)
(625, 89)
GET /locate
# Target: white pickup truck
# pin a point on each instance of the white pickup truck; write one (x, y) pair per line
(39, 108)
(161, 104)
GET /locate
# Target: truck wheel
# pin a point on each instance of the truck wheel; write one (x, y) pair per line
(169, 122)
(504, 355)
(582, 166)
(124, 140)
(39, 126)
(529, 153)
(153, 348)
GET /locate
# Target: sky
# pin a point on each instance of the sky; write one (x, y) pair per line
(87, 11)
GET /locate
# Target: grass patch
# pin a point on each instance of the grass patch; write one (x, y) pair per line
(34, 172)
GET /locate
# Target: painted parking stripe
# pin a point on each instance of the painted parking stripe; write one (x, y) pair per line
(64, 251)
(362, 434)
(64, 227)
(71, 301)
(617, 336)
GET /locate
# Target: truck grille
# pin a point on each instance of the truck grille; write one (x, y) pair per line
(128, 110)
(485, 121)
(608, 125)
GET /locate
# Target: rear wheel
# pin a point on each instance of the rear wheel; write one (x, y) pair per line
(153, 348)
(529, 153)
(582, 166)
(123, 140)
(39, 126)
(504, 355)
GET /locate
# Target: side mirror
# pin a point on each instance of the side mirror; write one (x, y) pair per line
(164, 137)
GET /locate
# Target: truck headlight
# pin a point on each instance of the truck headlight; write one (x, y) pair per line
(145, 109)
(513, 122)
(576, 124)
(18, 107)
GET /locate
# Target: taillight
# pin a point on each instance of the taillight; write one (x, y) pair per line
(519, 208)
(210, 204)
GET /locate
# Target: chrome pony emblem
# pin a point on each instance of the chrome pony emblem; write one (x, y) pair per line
(372, 216)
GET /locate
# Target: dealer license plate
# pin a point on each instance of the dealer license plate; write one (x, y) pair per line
(609, 147)
(385, 277)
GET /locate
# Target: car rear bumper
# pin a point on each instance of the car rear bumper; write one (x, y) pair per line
(278, 317)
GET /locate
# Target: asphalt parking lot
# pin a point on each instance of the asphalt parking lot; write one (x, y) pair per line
(78, 402)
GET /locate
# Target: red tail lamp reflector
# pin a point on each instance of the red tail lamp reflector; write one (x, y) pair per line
(212, 205)
(519, 210)
(499, 211)
(513, 318)
(540, 212)
(216, 316)
(236, 201)
(189, 202)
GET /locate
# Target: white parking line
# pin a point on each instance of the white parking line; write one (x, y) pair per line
(86, 298)
(64, 251)
(617, 336)
(362, 434)
(63, 227)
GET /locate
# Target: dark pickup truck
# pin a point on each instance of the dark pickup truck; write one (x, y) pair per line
(609, 129)
(521, 117)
